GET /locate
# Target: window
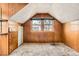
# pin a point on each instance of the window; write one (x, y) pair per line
(3, 26)
(36, 24)
(44, 24)
(48, 25)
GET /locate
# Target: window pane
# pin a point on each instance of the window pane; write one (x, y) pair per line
(47, 21)
(36, 22)
(36, 28)
(47, 27)
(36, 25)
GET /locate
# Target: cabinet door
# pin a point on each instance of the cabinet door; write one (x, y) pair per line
(13, 41)
(3, 44)
(10, 42)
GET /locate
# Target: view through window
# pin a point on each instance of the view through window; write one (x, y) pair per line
(45, 24)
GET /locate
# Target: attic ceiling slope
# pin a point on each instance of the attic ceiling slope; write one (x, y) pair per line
(64, 12)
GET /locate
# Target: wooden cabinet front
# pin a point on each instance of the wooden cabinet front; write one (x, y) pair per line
(13, 41)
(3, 45)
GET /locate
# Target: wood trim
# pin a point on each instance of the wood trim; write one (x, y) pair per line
(4, 34)
(3, 20)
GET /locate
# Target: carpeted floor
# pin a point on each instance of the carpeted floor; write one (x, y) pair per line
(44, 49)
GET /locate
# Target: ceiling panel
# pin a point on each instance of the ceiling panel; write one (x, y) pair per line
(64, 12)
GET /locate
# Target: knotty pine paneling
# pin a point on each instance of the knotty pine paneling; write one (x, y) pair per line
(71, 35)
(3, 44)
(40, 36)
(13, 41)
(9, 9)
(58, 31)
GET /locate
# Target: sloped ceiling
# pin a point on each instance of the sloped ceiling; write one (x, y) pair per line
(64, 12)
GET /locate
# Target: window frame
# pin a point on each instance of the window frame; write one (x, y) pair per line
(50, 25)
(42, 25)
(36, 25)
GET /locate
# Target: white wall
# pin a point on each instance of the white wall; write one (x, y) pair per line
(20, 35)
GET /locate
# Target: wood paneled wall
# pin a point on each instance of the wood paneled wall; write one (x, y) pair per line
(9, 9)
(58, 31)
(8, 44)
(3, 44)
(41, 36)
(71, 35)
(4, 7)
(15, 7)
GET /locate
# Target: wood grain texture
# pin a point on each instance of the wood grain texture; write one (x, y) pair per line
(41, 36)
(71, 36)
(3, 44)
(15, 7)
(4, 39)
(13, 41)
(4, 7)
(9, 9)
(13, 36)
(58, 31)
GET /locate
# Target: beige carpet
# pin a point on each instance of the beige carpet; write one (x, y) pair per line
(44, 49)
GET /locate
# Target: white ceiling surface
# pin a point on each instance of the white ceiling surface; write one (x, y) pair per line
(64, 12)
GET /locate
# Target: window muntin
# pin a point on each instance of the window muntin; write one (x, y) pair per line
(48, 21)
(36, 28)
(48, 24)
(36, 24)
(45, 24)
(47, 27)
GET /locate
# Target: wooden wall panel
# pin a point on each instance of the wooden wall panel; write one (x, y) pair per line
(30, 36)
(15, 7)
(3, 44)
(4, 7)
(58, 31)
(9, 9)
(71, 35)
(40, 36)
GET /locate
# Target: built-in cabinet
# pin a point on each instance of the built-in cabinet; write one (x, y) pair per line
(13, 36)
(3, 37)
(8, 34)
(3, 45)
(13, 41)
(8, 37)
